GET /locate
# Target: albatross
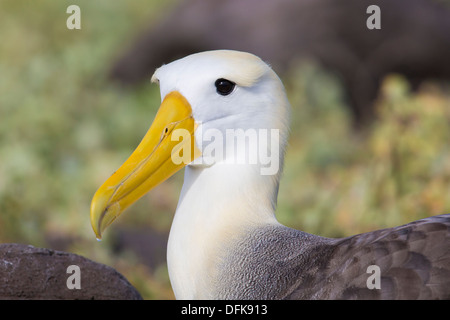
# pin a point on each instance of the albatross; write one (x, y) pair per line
(224, 117)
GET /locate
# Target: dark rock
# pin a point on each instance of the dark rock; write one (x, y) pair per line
(27, 272)
(413, 40)
(149, 245)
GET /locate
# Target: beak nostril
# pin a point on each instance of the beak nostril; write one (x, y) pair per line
(164, 133)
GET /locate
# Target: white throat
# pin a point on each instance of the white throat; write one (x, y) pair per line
(217, 205)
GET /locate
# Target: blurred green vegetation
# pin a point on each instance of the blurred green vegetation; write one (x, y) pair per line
(64, 129)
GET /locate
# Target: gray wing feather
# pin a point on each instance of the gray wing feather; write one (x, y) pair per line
(414, 262)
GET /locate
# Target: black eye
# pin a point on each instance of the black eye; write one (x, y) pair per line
(224, 87)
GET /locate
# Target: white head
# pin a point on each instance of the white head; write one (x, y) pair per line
(228, 90)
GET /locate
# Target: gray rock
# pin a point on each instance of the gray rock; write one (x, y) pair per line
(27, 272)
(413, 40)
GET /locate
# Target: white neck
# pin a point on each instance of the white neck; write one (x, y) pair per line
(217, 204)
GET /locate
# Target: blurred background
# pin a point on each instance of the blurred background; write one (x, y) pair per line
(370, 138)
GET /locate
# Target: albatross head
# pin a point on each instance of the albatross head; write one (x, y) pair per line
(208, 98)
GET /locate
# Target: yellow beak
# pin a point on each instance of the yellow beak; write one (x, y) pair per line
(159, 155)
